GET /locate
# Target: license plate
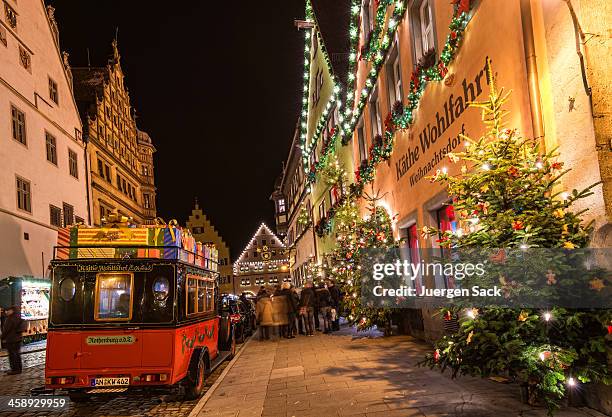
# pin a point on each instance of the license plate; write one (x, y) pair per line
(111, 382)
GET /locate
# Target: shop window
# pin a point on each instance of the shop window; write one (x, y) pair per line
(446, 221)
(445, 218)
(18, 125)
(394, 77)
(24, 196)
(422, 28)
(410, 251)
(114, 296)
(51, 145)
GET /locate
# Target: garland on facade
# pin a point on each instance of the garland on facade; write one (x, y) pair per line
(376, 50)
(322, 123)
(401, 117)
(304, 217)
(309, 16)
(373, 44)
(328, 149)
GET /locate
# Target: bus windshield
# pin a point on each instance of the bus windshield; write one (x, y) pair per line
(114, 296)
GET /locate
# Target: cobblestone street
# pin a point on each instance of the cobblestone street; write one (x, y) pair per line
(348, 374)
(133, 405)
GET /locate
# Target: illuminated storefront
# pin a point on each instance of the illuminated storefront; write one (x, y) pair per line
(32, 296)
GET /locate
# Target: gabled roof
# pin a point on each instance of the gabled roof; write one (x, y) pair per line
(262, 227)
(88, 85)
(333, 19)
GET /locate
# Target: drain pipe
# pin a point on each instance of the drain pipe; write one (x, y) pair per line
(535, 99)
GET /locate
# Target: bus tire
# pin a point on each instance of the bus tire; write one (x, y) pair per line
(196, 380)
(78, 397)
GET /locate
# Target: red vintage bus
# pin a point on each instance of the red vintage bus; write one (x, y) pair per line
(138, 322)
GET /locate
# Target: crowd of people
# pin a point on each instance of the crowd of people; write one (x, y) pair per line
(288, 311)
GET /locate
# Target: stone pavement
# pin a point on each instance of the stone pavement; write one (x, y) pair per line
(343, 374)
(136, 404)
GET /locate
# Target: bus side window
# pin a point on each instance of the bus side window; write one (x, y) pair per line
(192, 293)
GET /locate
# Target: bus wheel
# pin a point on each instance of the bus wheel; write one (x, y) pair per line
(78, 397)
(196, 381)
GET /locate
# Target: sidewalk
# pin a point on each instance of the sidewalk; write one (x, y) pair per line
(345, 375)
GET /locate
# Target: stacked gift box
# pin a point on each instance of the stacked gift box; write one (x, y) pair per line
(124, 240)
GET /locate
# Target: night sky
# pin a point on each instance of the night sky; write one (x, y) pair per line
(217, 85)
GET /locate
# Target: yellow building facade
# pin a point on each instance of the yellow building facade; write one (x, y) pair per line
(203, 231)
(120, 156)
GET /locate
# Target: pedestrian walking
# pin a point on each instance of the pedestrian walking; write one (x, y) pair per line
(292, 309)
(308, 301)
(279, 312)
(336, 298)
(12, 328)
(324, 301)
(263, 312)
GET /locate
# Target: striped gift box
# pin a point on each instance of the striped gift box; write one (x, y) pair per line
(63, 239)
(89, 253)
(126, 236)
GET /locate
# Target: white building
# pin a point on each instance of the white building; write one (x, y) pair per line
(43, 178)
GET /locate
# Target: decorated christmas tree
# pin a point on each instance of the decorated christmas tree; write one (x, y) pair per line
(508, 195)
(353, 235)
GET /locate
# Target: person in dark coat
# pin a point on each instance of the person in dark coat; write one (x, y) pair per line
(324, 301)
(336, 298)
(12, 329)
(292, 309)
(297, 322)
(308, 301)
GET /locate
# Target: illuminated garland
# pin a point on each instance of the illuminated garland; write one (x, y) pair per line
(377, 50)
(308, 149)
(373, 43)
(401, 116)
(328, 148)
(309, 16)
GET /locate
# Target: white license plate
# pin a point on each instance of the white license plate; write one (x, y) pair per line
(111, 382)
